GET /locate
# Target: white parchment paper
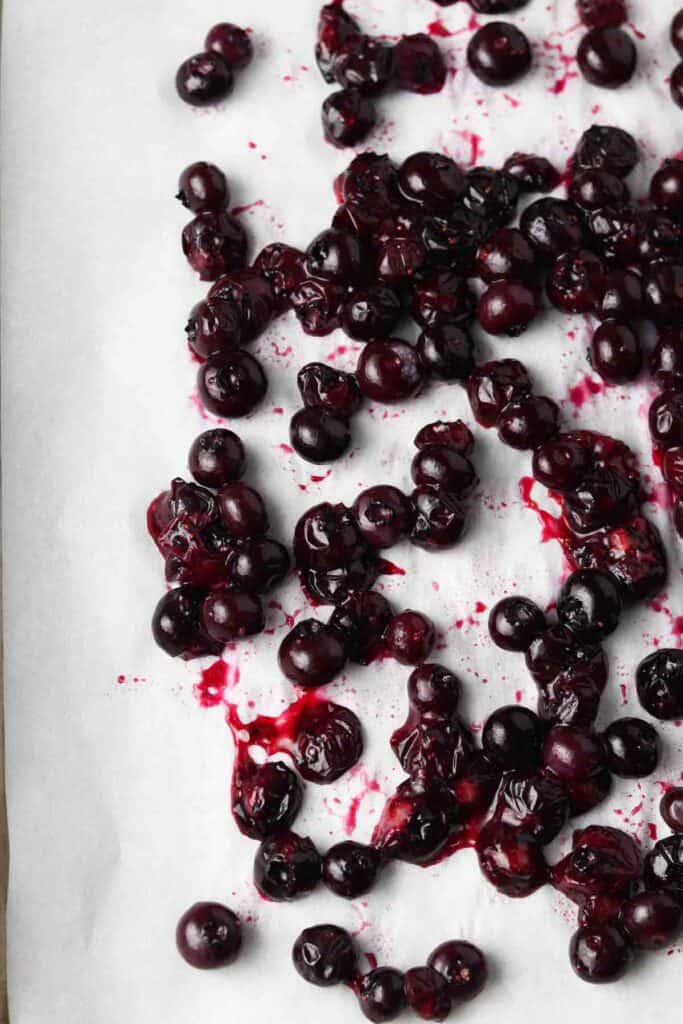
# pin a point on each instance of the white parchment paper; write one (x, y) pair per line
(118, 791)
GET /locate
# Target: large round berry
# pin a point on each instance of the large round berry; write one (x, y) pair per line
(498, 53)
(204, 79)
(561, 463)
(347, 117)
(507, 307)
(512, 737)
(228, 616)
(389, 371)
(527, 422)
(266, 798)
(439, 518)
(371, 312)
(573, 754)
(319, 435)
(232, 42)
(177, 626)
(214, 243)
(607, 148)
(329, 742)
(286, 866)
(427, 993)
(464, 967)
(607, 57)
(209, 935)
(616, 352)
(334, 254)
(242, 511)
(418, 64)
(432, 180)
(410, 637)
(632, 748)
(433, 689)
(203, 187)
(383, 514)
(381, 995)
(651, 920)
(659, 680)
(326, 536)
(231, 385)
(362, 618)
(514, 622)
(493, 385)
(590, 604)
(350, 869)
(312, 653)
(217, 458)
(671, 808)
(325, 955)
(506, 255)
(599, 954)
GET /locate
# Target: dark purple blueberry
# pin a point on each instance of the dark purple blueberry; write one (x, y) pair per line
(633, 552)
(590, 604)
(336, 255)
(326, 536)
(383, 514)
(176, 624)
(676, 85)
(442, 297)
(203, 187)
(208, 935)
(454, 434)
(399, 251)
(204, 79)
(593, 188)
(533, 801)
(362, 618)
(283, 267)
(506, 255)
(663, 870)
(432, 747)
(433, 689)
(322, 385)
(410, 637)
(632, 748)
(672, 469)
(603, 498)
(464, 967)
(601, 13)
(666, 187)
(514, 622)
(659, 680)
(228, 616)
(553, 226)
(214, 243)
(432, 180)
(446, 351)
(599, 954)
(507, 307)
(317, 305)
(571, 698)
(573, 754)
(369, 180)
(427, 993)
(664, 292)
(381, 996)
(561, 463)
(607, 57)
(438, 465)
(231, 385)
(666, 360)
(557, 649)
(286, 866)
(416, 823)
(256, 565)
(319, 435)
(666, 419)
(347, 117)
(527, 422)
(252, 295)
(325, 955)
(231, 42)
(622, 296)
(365, 63)
(576, 282)
(510, 860)
(671, 809)
(512, 737)
(492, 195)
(335, 25)
(333, 586)
(603, 862)
(389, 371)
(498, 53)
(351, 869)
(534, 173)
(329, 742)
(418, 64)
(493, 385)
(217, 458)
(616, 353)
(607, 148)
(651, 920)
(439, 518)
(242, 511)
(451, 242)
(371, 312)
(213, 328)
(266, 798)
(676, 33)
(476, 786)
(312, 654)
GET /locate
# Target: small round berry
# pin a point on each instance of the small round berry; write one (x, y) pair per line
(446, 351)
(371, 312)
(380, 994)
(590, 604)
(607, 148)
(203, 187)
(389, 371)
(439, 518)
(204, 80)
(427, 993)
(498, 53)
(319, 435)
(350, 869)
(383, 514)
(231, 42)
(607, 57)
(286, 866)
(217, 458)
(433, 689)
(432, 180)
(312, 654)
(463, 966)
(632, 747)
(209, 935)
(671, 809)
(561, 463)
(599, 954)
(534, 173)
(677, 32)
(512, 737)
(507, 307)
(231, 385)
(419, 65)
(228, 616)
(506, 255)
(214, 243)
(410, 637)
(320, 384)
(528, 422)
(659, 681)
(347, 117)
(242, 511)
(676, 85)
(437, 465)
(651, 920)
(325, 955)
(666, 187)
(514, 622)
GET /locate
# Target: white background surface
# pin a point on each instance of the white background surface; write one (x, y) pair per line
(118, 794)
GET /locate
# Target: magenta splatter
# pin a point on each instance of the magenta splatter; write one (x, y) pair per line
(586, 389)
(237, 210)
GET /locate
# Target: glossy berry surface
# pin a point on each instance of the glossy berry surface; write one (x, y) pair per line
(572, 754)
(533, 173)
(432, 180)
(632, 748)
(312, 653)
(326, 536)
(217, 458)
(676, 85)
(319, 435)
(514, 622)
(659, 681)
(209, 935)
(335, 25)
(446, 351)
(322, 385)
(381, 996)
(498, 53)
(507, 307)
(663, 283)
(418, 64)
(228, 616)
(676, 33)
(362, 617)
(213, 328)
(671, 809)
(561, 463)
(603, 861)
(231, 42)
(442, 297)
(389, 371)
(371, 312)
(325, 955)
(666, 186)
(427, 993)
(231, 385)
(607, 57)
(202, 187)
(266, 798)
(383, 514)
(329, 742)
(439, 518)
(317, 305)
(464, 967)
(666, 359)
(506, 255)
(283, 268)
(552, 226)
(242, 511)
(601, 13)
(416, 823)
(590, 604)
(351, 869)
(622, 296)
(576, 282)
(214, 243)
(571, 698)
(652, 920)
(604, 497)
(607, 148)
(334, 254)
(177, 627)
(286, 866)
(533, 802)
(512, 737)
(438, 465)
(599, 954)
(204, 79)
(453, 433)
(493, 385)
(347, 117)
(433, 689)
(663, 870)
(594, 187)
(510, 860)
(526, 423)
(410, 637)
